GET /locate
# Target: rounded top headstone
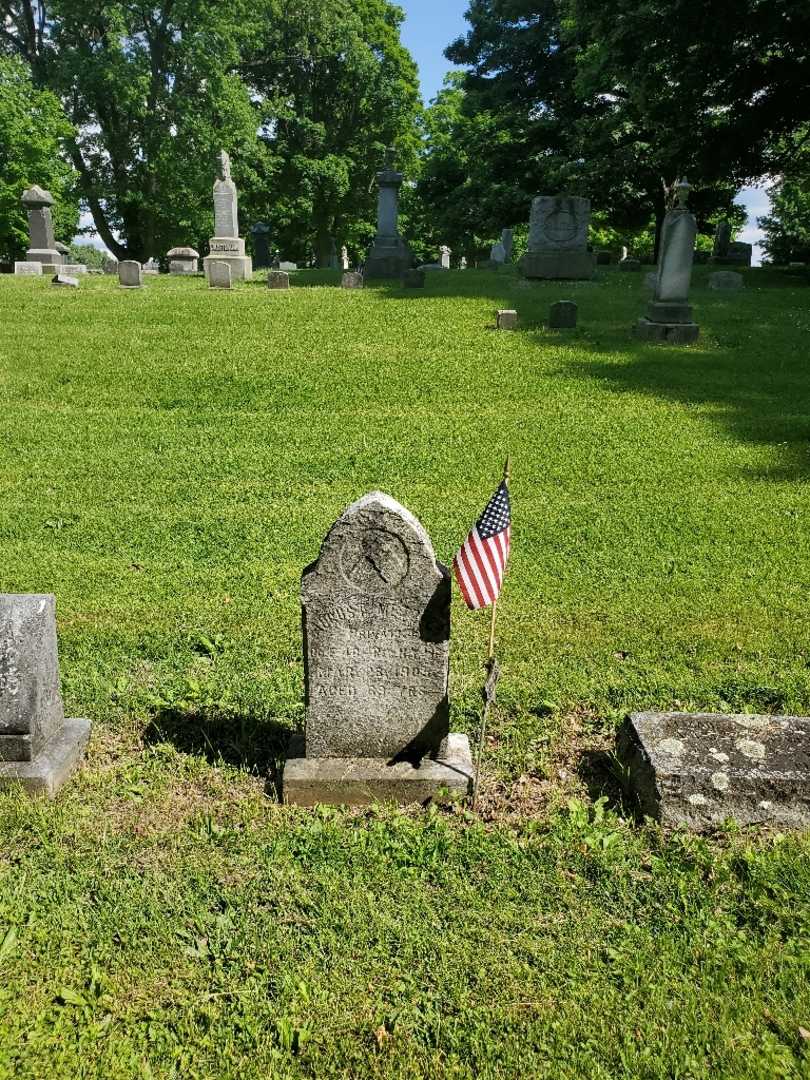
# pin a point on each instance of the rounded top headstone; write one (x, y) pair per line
(183, 253)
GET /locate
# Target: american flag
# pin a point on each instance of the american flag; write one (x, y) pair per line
(481, 561)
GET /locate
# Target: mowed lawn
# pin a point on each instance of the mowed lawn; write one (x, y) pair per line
(170, 460)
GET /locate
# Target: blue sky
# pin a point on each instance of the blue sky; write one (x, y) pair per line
(430, 26)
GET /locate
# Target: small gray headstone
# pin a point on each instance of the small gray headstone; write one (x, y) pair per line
(726, 279)
(413, 279)
(506, 319)
(497, 253)
(444, 257)
(74, 268)
(352, 280)
(699, 769)
(278, 279)
(130, 275)
(27, 269)
(38, 747)
(110, 266)
(65, 281)
(562, 315)
(219, 275)
(288, 266)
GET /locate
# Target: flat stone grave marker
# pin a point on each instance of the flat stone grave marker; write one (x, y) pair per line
(506, 319)
(65, 281)
(351, 280)
(697, 770)
(413, 279)
(376, 622)
(39, 748)
(278, 279)
(563, 315)
(219, 275)
(28, 269)
(726, 280)
(130, 275)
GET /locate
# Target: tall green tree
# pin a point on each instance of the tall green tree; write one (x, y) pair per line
(337, 87)
(33, 132)
(617, 101)
(152, 91)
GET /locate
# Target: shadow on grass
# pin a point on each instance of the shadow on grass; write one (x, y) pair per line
(599, 771)
(257, 745)
(748, 372)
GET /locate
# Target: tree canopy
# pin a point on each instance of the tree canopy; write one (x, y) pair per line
(303, 97)
(33, 129)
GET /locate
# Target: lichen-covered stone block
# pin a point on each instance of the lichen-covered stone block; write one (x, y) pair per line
(697, 770)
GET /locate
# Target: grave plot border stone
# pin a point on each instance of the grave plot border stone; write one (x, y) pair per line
(698, 769)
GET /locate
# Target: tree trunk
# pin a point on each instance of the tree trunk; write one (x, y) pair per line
(323, 246)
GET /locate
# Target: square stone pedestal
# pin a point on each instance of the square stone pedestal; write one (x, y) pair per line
(558, 265)
(52, 765)
(361, 781)
(230, 250)
(668, 323)
(389, 257)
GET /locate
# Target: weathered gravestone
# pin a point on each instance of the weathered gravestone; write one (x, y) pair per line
(376, 623)
(260, 233)
(110, 266)
(413, 279)
(39, 748)
(219, 274)
(225, 245)
(562, 315)
(558, 239)
(278, 279)
(669, 314)
(352, 280)
(696, 770)
(508, 242)
(42, 245)
(183, 260)
(27, 269)
(728, 252)
(389, 256)
(444, 257)
(65, 281)
(506, 319)
(344, 258)
(725, 280)
(130, 275)
(497, 254)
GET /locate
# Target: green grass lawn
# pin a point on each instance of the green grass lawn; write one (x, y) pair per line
(171, 460)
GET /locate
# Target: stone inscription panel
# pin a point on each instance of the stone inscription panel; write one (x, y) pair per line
(559, 223)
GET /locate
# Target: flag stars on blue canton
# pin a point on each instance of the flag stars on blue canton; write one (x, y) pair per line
(497, 516)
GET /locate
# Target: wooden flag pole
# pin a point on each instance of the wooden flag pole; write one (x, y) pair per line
(493, 674)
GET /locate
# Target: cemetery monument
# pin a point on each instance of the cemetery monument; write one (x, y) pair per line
(42, 245)
(728, 252)
(389, 256)
(669, 313)
(225, 245)
(376, 625)
(39, 748)
(558, 239)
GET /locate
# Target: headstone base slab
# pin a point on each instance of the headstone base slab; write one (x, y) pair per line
(241, 265)
(667, 333)
(55, 763)
(362, 781)
(697, 770)
(558, 265)
(388, 258)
